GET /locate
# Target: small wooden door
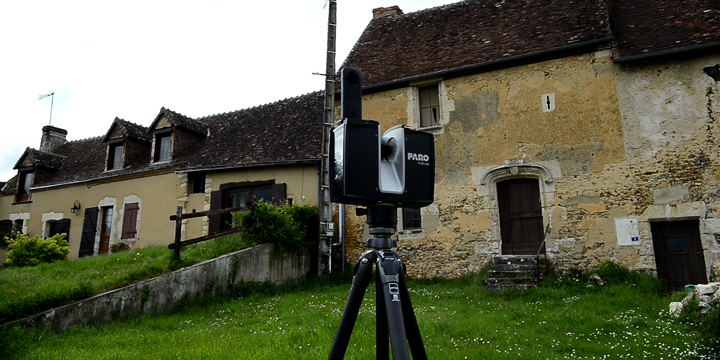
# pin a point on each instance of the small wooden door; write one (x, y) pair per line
(87, 241)
(521, 221)
(679, 253)
(106, 230)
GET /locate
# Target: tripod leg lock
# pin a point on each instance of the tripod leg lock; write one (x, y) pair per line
(389, 266)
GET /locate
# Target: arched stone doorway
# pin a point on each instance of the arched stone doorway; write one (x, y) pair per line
(521, 197)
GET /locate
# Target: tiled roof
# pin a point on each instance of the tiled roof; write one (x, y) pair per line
(39, 158)
(402, 47)
(285, 131)
(651, 27)
(85, 160)
(10, 186)
(180, 120)
(130, 130)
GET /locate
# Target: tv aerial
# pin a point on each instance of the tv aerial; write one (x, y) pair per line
(51, 95)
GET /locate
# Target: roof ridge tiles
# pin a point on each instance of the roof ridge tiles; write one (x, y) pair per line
(277, 102)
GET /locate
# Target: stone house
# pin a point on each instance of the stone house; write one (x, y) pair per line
(123, 186)
(593, 122)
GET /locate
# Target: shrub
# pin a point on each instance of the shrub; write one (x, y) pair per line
(5, 239)
(289, 227)
(118, 247)
(31, 251)
(612, 272)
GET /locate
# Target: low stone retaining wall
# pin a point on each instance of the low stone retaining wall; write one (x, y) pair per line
(162, 294)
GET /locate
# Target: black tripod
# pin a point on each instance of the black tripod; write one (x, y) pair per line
(394, 311)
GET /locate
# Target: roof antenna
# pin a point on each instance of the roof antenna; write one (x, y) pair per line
(52, 100)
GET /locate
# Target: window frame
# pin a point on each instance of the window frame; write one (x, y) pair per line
(112, 159)
(159, 137)
(23, 193)
(411, 219)
(220, 199)
(58, 226)
(433, 106)
(196, 182)
(229, 219)
(19, 226)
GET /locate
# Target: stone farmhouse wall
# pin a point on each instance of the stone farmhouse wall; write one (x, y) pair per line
(633, 142)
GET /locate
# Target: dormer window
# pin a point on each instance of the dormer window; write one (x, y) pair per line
(24, 183)
(115, 156)
(163, 147)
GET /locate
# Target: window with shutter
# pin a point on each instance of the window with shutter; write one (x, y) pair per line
(240, 194)
(61, 226)
(129, 230)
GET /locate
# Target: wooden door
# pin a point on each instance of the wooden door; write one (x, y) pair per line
(679, 253)
(106, 230)
(521, 221)
(87, 241)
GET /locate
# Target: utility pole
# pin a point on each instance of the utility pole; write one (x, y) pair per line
(325, 207)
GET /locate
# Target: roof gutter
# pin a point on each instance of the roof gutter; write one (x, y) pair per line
(486, 66)
(217, 168)
(232, 167)
(667, 53)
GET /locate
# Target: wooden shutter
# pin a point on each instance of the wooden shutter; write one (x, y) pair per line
(63, 227)
(215, 204)
(87, 242)
(278, 193)
(129, 229)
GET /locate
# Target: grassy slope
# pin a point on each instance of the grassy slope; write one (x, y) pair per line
(457, 318)
(27, 291)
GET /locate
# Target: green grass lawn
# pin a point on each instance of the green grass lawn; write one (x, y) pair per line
(30, 290)
(457, 318)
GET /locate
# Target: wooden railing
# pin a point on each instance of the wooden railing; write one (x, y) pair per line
(537, 255)
(179, 216)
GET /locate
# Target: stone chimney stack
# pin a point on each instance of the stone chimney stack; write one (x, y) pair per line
(392, 10)
(52, 138)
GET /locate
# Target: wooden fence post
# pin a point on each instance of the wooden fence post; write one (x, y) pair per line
(178, 232)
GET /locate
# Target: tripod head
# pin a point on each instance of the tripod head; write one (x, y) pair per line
(382, 221)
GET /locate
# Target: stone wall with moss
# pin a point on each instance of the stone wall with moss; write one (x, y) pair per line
(621, 141)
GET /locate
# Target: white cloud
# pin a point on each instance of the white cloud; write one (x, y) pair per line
(129, 58)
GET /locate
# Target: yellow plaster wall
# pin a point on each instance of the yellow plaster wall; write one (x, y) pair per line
(157, 196)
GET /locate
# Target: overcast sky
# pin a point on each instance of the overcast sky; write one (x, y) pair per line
(127, 59)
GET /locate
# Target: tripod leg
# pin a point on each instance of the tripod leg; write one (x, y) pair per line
(411, 326)
(363, 273)
(389, 269)
(382, 340)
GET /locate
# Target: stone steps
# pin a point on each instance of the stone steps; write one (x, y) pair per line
(513, 272)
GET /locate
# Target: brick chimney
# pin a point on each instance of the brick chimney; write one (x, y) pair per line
(52, 138)
(392, 10)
